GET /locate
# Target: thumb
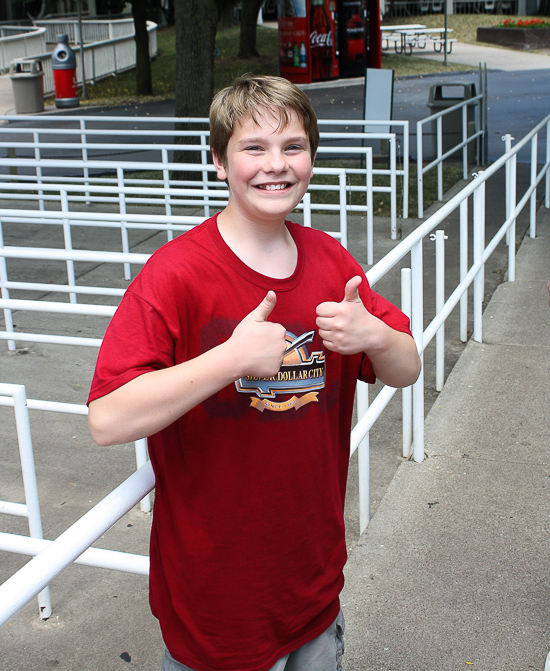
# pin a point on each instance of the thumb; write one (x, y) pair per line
(264, 309)
(351, 292)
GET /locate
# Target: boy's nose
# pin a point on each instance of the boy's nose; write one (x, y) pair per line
(276, 162)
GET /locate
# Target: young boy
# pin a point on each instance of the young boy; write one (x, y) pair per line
(236, 351)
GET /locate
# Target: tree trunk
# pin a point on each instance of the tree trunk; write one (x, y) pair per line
(196, 23)
(227, 14)
(249, 23)
(144, 84)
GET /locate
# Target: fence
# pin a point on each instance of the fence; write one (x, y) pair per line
(472, 134)
(37, 573)
(85, 141)
(101, 59)
(92, 30)
(20, 42)
(395, 8)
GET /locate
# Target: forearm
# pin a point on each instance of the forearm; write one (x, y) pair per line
(394, 358)
(155, 400)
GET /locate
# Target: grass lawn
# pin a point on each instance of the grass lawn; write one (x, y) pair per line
(121, 89)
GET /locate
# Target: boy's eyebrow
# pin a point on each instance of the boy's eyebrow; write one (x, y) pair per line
(261, 139)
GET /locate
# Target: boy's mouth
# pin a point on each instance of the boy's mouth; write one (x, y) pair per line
(273, 187)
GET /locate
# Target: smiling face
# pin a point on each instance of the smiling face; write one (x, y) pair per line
(267, 168)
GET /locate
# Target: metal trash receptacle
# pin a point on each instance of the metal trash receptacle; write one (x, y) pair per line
(447, 94)
(27, 81)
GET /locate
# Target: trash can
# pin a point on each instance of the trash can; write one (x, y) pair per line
(445, 95)
(27, 81)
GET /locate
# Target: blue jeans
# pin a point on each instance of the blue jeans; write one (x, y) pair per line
(322, 654)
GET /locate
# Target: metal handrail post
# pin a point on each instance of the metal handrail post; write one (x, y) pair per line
(533, 199)
(166, 184)
(406, 394)
(5, 293)
(363, 459)
(439, 237)
(419, 170)
(370, 206)
(439, 126)
(17, 392)
(465, 141)
(417, 328)
(393, 188)
(406, 171)
(511, 199)
(463, 268)
(123, 228)
(478, 245)
(343, 208)
(71, 279)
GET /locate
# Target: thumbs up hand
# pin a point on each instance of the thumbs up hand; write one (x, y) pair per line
(259, 345)
(345, 327)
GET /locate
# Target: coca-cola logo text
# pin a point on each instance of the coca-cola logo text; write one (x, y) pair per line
(317, 39)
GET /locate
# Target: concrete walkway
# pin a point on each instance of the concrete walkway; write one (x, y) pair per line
(453, 571)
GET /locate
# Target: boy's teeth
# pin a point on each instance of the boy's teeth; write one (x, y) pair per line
(273, 187)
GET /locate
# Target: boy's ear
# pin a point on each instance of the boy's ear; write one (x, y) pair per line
(220, 168)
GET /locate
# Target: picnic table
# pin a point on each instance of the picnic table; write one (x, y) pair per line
(405, 38)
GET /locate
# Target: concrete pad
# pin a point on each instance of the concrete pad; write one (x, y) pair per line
(452, 570)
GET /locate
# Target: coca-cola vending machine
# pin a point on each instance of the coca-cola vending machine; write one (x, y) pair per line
(353, 38)
(308, 40)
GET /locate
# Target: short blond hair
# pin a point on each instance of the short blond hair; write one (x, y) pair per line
(251, 96)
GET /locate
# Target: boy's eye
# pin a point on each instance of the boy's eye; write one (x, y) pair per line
(253, 148)
(295, 147)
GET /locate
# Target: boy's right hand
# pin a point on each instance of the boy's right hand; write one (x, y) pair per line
(260, 345)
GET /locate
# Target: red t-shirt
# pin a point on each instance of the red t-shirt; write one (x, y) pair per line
(247, 543)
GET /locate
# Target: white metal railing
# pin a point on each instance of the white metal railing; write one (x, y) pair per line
(20, 42)
(101, 59)
(93, 30)
(475, 137)
(19, 589)
(91, 136)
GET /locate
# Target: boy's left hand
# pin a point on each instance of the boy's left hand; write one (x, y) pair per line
(344, 327)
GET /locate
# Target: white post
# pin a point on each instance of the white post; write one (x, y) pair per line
(393, 188)
(370, 205)
(511, 202)
(439, 155)
(478, 245)
(406, 397)
(343, 209)
(306, 200)
(86, 170)
(464, 139)
(29, 477)
(141, 460)
(123, 228)
(417, 328)
(166, 183)
(419, 170)
(364, 460)
(439, 238)
(464, 268)
(406, 170)
(533, 199)
(36, 140)
(4, 292)
(71, 280)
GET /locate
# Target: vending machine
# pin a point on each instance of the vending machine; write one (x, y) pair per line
(353, 39)
(308, 40)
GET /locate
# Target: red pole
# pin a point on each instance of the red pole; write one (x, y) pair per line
(375, 41)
